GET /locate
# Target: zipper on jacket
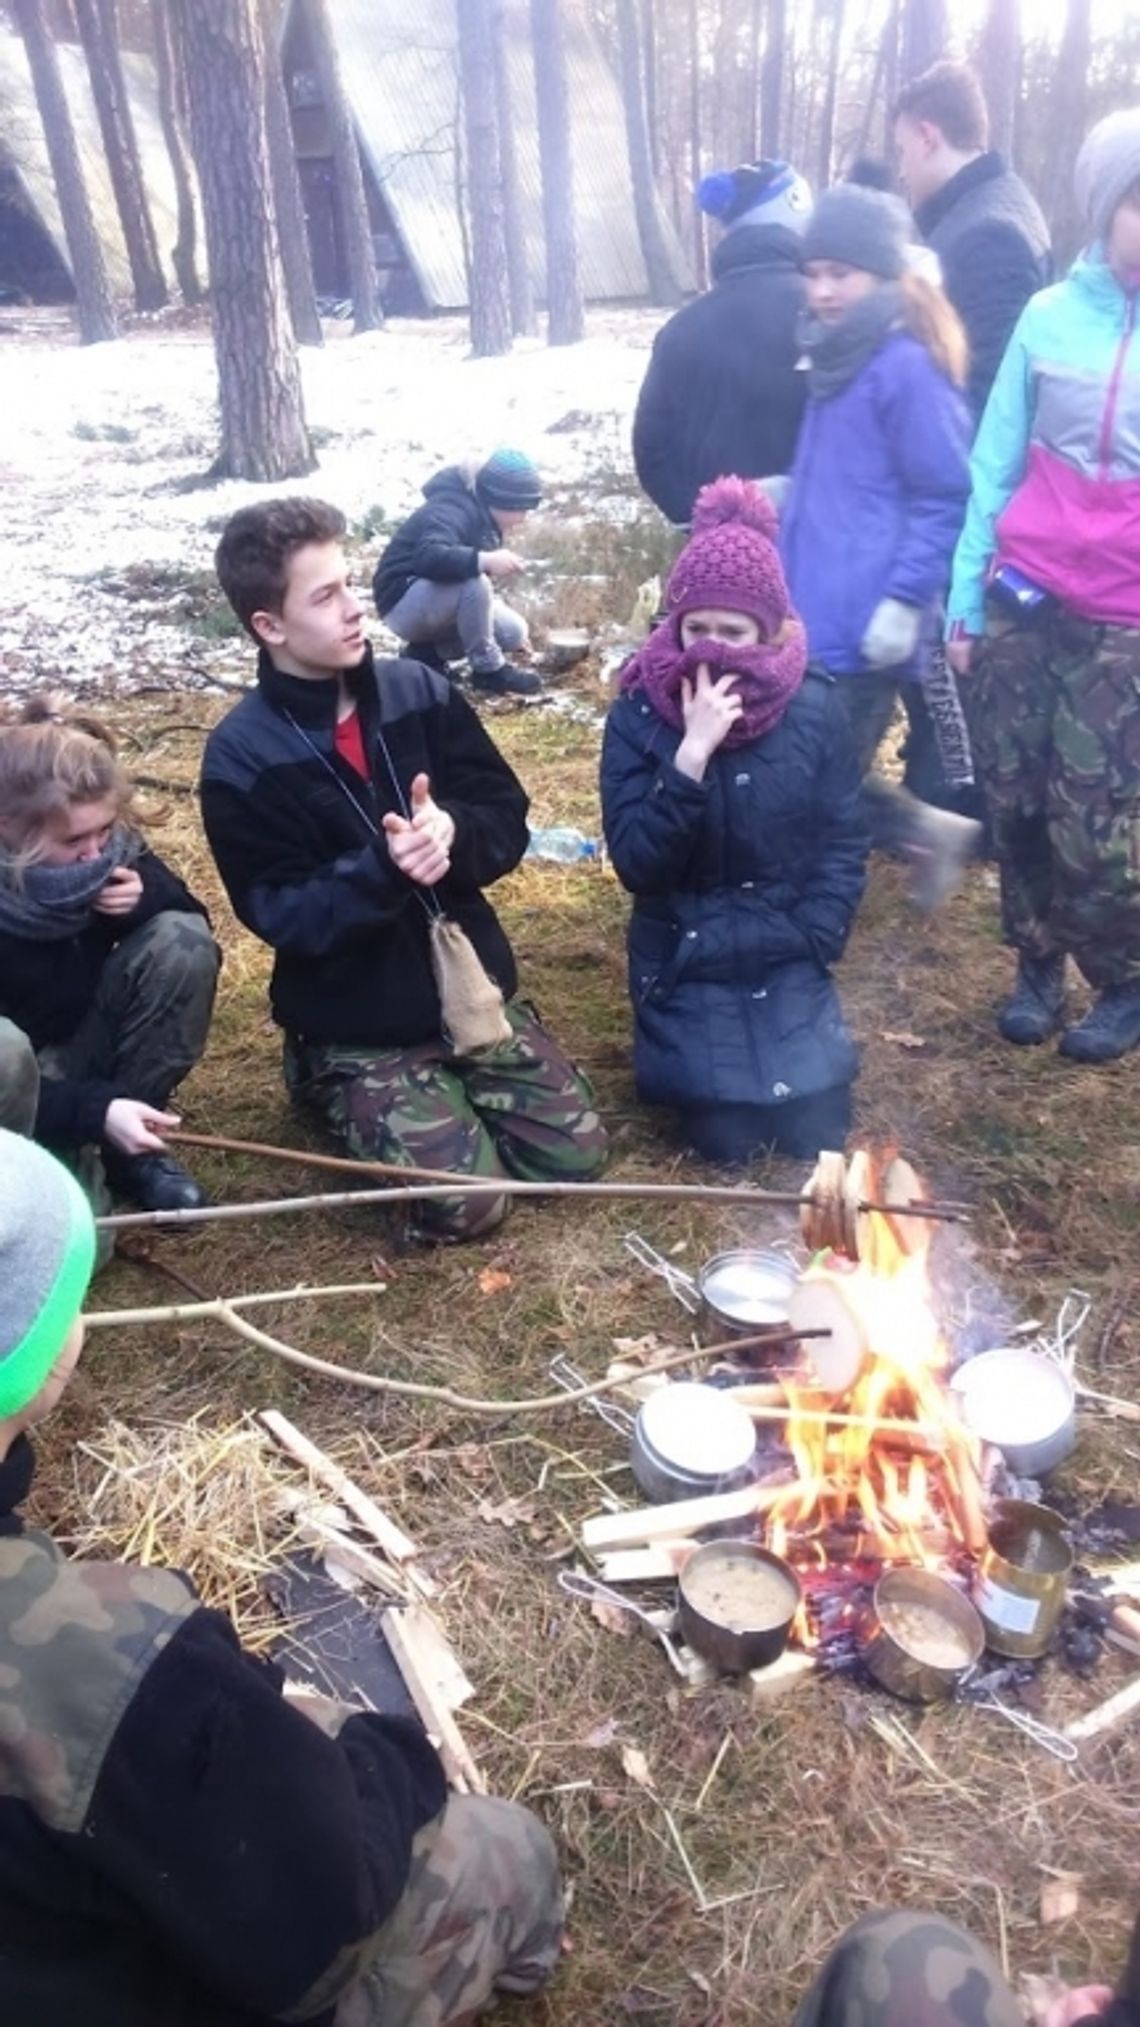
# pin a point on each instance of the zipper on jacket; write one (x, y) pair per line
(1104, 455)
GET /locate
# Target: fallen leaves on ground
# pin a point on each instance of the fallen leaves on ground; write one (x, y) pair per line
(493, 1280)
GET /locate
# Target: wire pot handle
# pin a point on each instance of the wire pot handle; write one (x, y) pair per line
(680, 1284)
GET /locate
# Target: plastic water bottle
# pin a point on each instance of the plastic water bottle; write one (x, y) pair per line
(561, 845)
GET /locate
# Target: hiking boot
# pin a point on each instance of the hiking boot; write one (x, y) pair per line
(1033, 1010)
(939, 852)
(506, 681)
(156, 1182)
(1109, 1030)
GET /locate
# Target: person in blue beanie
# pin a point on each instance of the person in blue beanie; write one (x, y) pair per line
(437, 582)
(722, 393)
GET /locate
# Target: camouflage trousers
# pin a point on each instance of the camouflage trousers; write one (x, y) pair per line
(481, 1914)
(144, 1031)
(520, 1110)
(904, 1969)
(1058, 741)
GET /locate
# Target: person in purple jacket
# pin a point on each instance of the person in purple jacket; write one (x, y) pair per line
(878, 493)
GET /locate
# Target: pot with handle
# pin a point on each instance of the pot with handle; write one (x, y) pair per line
(743, 1292)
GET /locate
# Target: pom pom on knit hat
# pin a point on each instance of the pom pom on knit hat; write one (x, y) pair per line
(730, 562)
(509, 479)
(757, 193)
(47, 1251)
(1107, 167)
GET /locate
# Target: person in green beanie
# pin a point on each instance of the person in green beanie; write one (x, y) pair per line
(178, 1840)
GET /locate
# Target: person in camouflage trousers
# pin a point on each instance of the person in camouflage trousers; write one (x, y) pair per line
(107, 964)
(183, 1837)
(521, 1108)
(1059, 739)
(358, 810)
(1044, 613)
(907, 1968)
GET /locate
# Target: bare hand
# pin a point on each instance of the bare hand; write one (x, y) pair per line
(501, 563)
(134, 1128)
(420, 847)
(428, 817)
(959, 656)
(122, 893)
(1082, 2002)
(710, 710)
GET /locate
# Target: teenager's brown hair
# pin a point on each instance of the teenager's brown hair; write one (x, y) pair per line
(930, 317)
(950, 96)
(51, 758)
(258, 543)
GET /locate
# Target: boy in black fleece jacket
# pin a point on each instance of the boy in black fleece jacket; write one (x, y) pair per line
(351, 806)
(180, 1844)
(436, 583)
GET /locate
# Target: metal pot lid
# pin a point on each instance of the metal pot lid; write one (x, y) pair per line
(1013, 1396)
(697, 1429)
(749, 1286)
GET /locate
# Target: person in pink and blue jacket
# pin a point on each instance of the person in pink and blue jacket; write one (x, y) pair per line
(1045, 610)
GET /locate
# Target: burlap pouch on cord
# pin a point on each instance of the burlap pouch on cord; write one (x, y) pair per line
(473, 1012)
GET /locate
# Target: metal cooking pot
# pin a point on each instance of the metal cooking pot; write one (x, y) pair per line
(896, 1660)
(1023, 1578)
(745, 1292)
(732, 1647)
(689, 1439)
(1022, 1403)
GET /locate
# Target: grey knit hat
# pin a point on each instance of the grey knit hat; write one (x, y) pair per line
(1107, 167)
(860, 227)
(508, 479)
(47, 1250)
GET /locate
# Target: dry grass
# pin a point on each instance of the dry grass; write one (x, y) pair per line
(813, 1817)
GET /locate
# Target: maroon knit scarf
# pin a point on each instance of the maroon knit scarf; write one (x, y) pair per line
(768, 676)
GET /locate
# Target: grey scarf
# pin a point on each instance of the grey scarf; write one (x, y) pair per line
(837, 352)
(45, 904)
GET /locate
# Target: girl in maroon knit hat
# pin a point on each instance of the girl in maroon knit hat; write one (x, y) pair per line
(730, 798)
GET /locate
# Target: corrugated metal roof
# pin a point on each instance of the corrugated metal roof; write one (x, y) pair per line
(22, 141)
(400, 70)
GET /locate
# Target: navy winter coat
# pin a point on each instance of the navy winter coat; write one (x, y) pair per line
(745, 887)
(878, 497)
(722, 393)
(991, 238)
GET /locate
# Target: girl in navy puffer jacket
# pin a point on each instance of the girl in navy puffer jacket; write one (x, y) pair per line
(730, 798)
(878, 489)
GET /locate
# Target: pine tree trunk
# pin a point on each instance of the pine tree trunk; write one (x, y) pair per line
(924, 31)
(519, 288)
(1000, 65)
(172, 114)
(772, 78)
(565, 319)
(367, 314)
(831, 95)
(658, 267)
(1068, 118)
(489, 288)
(99, 33)
(652, 84)
(263, 422)
(700, 237)
(93, 299)
(292, 232)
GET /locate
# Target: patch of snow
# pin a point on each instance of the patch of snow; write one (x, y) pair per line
(97, 439)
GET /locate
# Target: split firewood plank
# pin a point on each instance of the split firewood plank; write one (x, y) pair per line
(401, 1634)
(681, 1517)
(360, 1562)
(441, 1663)
(1105, 1715)
(645, 1565)
(767, 1684)
(371, 1518)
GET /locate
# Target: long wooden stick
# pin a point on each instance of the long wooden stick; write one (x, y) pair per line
(345, 1165)
(371, 1517)
(184, 1312)
(1107, 1714)
(884, 1424)
(382, 1383)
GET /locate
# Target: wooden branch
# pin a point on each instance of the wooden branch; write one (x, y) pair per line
(681, 1517)
(392, 1539)
(400, 1631)
(918, 1432)
(188, 1312)
(1105, 1715)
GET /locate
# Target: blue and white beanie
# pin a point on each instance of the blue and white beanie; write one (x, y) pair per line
(758, 193)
